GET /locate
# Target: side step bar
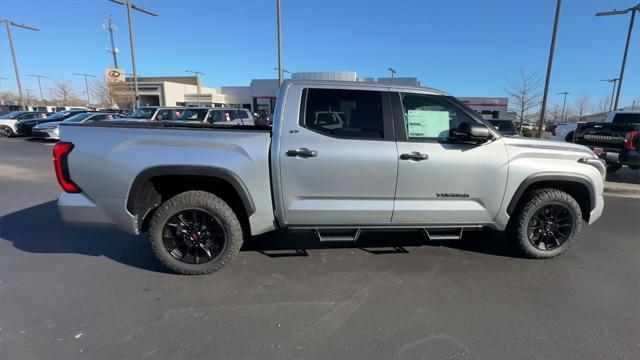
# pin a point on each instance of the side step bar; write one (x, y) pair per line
(447, 233)
(329, 235)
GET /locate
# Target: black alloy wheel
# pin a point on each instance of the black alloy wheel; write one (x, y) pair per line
(550, 226)
(194, 236)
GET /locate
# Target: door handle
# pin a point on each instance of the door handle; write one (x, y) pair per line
(302, 152)
(414, 155)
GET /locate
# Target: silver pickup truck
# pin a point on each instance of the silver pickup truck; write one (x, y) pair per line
(341, 158)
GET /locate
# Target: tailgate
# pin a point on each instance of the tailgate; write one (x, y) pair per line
(602, 135)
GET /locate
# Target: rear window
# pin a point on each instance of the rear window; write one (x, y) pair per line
(353, 114)
(627, 119)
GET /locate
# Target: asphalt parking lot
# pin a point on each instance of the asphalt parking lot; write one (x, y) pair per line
(69, 293)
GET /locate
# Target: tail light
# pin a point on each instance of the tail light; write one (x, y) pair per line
(60, 153)
(631, 143)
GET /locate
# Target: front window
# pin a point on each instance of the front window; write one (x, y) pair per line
(143, 113)
(345, 113)
(430, 117)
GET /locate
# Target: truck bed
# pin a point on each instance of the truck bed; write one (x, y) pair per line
(108, 157)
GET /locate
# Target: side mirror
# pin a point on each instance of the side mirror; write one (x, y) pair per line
(473, 133)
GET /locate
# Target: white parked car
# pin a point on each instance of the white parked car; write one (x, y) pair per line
(51, 130)
(9, 121)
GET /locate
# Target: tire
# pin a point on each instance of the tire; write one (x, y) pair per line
(199, 204)
(634, 167)
(569, 137)
(611, 168)
(6, 131)
(536, 204)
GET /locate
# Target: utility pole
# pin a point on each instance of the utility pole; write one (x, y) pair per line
(614, 81)
(40, 83)
(50, 93)
(28, 99)
(543, 108)
(393, 72)
(280, 77)
(283, 70)
(564, 104)
(198, 73)
(130, 6)
(626, 47)
(113, 50)
(8, 23)
(86, 85)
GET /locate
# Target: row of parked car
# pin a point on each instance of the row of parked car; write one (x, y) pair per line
(45, 125)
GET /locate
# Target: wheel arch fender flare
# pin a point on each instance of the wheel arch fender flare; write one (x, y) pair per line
(558, 177)
(143, 178)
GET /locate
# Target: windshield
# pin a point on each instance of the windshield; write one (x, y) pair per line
(143, 113)
(503, 125)
(193, 115)
(79, 117)
(11, 115)
(59, 115)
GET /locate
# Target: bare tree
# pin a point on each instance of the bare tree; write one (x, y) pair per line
(64, 91)
(121, 93)
(602, 106)
(524, 96)
(102, 92)
(581, 105)
(554, 113)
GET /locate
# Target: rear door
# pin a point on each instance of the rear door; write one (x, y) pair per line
(338, 160)
(441, 181)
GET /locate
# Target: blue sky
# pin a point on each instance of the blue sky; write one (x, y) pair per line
(465, 47)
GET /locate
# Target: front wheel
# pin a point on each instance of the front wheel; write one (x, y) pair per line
(547, 224)
(5, 131)
(195, 233)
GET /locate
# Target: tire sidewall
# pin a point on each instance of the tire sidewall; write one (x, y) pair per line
(522, 231)
(213, 206)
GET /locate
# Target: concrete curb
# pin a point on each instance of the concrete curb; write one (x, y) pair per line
(621, 189)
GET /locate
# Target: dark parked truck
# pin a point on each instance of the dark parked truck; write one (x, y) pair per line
(617, 140)
(341, 158)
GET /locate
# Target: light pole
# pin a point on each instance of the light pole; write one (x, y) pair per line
(113, 50)
(393, 72)
(626, 47)
(283, 70)
(614, 81)
(8, 23)
(564, 104)
(543, 108)
(130, 6)
(40, 83)
(86, 85)
(50, 93)
(279, 44)
(198, 73)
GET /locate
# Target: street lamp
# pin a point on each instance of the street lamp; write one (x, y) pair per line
(8, 23)
(130, 6)
(614, 81)
(543, 108)
(198, 73)
(564, 104)
(86, 85)
(393, 72)
(626, 47)
(39, 83)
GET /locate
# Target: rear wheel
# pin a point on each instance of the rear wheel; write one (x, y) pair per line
(5, 131)
(611, 168)
(634, 167)
(195, 232)
(569, 137)
(547, 224)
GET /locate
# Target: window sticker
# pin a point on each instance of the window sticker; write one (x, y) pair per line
(428, 124)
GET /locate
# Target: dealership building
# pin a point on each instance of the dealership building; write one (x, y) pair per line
(260, 95)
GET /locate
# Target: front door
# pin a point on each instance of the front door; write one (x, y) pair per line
(338, 162)
(441, 181)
